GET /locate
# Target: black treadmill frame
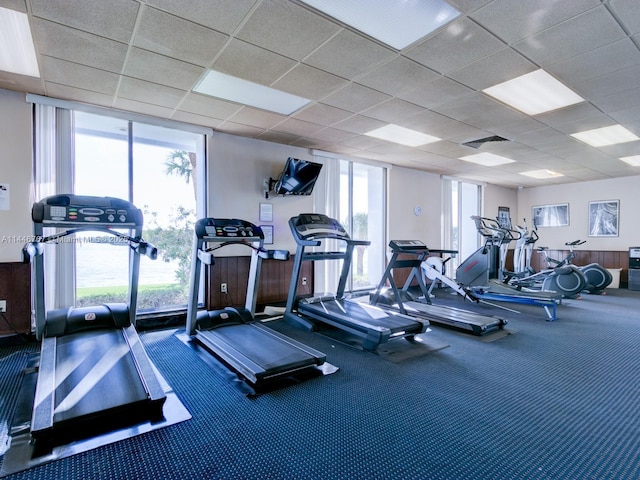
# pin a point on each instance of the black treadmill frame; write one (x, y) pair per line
(465, 320)
(310, 230)
(238, 357)
(39, 433)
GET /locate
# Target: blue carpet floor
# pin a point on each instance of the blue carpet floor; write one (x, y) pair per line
(551, 400)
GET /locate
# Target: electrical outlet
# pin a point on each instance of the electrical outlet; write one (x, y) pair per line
(223, 288)
(3, 306)
(304, 280)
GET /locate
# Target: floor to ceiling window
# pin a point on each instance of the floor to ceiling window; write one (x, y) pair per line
(362, 212)
(159, 178)
(461, 201)
(159, 169)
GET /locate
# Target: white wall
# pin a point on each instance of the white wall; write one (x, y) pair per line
(578, 196)
(410, 188)
(495, 197)
(237, 168)
(15, 171)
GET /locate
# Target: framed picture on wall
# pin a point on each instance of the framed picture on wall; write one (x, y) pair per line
(551, 215)
(604, 218)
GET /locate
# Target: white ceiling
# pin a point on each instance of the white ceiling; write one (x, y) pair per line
(146, 56)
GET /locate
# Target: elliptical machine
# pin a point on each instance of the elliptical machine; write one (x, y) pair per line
(598, 277)
(567, 280)
(524, 249)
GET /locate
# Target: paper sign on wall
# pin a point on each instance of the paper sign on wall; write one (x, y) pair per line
(4, 196)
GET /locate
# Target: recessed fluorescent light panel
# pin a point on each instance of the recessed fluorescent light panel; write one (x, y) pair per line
(487, 159)
(534, 93)
(541, 174)
(17, 53)
(601, 137)
(398, 24)
(634, 160)
(401, 135)
(226, 87)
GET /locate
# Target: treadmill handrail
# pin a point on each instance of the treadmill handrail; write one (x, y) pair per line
(140, 246)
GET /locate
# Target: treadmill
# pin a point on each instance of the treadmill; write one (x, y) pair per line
(258, 354)
(411, 254)
(370, 324)
(94, 375)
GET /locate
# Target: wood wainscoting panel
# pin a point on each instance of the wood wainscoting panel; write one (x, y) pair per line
(15, 288)
(273, 286)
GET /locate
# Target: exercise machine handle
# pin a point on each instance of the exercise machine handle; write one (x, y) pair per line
(274, 254)
(575, 243)
(31, 250)
(145, 248)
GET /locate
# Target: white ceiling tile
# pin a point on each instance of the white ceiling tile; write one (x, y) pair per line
(77, 46)
(330, 135)
(628, 11)
(196, 119)
(114, 19)
(609, 58)
(348, 55)
(178, 38)
(361, 142)
(439, 91)
(322, 114)
(468, 6)
(247, 131)
(79, 76)
(163, 70)
(572, 37)
(438, 125)
(460, 43)
(360, 124)
(593, 46)
(286, 28)
(221, 15)
(309, 82)
(208, 106)
(572, 113)
(512, 21)
(297, 127)
(255, 64)
(397, 76)
(149, 93)
(498, 67)
(57, 90)
(257, 118)
(480, 111)
(151, 109)
(618, 82)
(355, 98)
(392, 111)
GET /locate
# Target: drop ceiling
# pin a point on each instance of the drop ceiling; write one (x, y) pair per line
(147, 57)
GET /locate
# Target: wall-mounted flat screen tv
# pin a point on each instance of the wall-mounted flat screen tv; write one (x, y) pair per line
(297, 178)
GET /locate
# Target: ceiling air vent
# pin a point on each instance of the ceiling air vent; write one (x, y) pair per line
(478, 143)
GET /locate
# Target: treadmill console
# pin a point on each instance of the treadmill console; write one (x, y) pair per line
(77, 210)
(311, 226)
(409, 246)
(227, 230)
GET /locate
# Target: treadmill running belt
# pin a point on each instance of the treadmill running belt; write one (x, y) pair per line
(260, 346)
(94, 372)
(362, 312)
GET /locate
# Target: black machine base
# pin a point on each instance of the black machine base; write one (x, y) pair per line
(372, 325)
(25, 452)
(447, 316)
